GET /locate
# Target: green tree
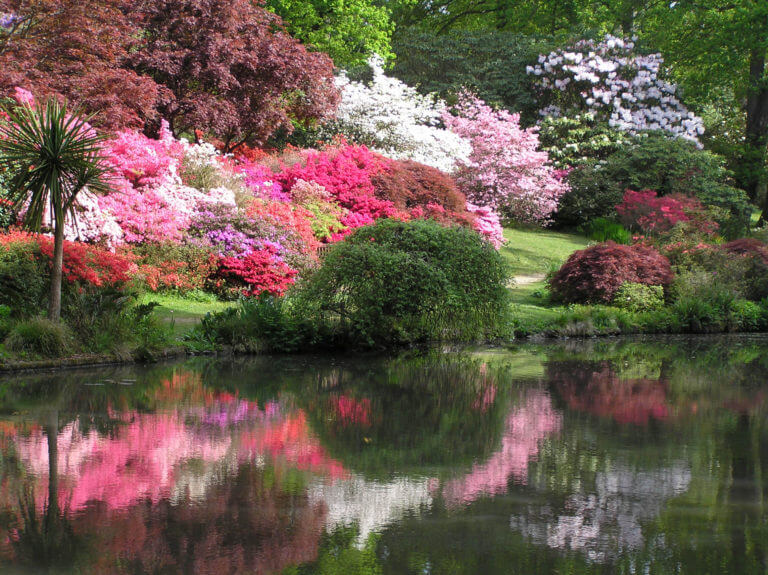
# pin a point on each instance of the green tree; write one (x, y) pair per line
(51, 154)
(349, 31)
(721, 47)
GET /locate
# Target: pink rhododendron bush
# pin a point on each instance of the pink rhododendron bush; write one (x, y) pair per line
(505, 171)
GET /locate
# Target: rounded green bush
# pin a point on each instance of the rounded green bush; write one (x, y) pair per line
(39, 336)
(408, 281)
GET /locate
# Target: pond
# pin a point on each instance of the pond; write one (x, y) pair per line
(613, 456)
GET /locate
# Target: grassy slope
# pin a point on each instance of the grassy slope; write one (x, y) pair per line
(534, 252)
(184, 313)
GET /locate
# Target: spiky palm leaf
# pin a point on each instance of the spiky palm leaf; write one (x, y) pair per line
(51, 155)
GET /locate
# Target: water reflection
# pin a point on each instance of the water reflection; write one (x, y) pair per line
(608, 458)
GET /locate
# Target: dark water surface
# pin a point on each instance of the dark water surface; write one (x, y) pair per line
(601, 457)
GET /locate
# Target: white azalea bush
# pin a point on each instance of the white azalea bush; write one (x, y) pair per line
(617, 85)
(394, 120)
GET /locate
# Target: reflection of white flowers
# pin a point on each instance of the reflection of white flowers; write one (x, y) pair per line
(611, 81)
(393, 119)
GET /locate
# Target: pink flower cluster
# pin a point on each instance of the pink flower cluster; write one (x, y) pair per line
(505, 170)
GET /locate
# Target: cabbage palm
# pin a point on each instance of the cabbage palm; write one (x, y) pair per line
(51, 155)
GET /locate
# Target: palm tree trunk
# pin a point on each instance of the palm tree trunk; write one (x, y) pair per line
(54, 304)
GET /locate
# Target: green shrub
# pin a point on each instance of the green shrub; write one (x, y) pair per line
(665, 165)
(603, 230)
(39, 336)
(579, 139)
(5, 320)
(593, 194)
(23, 279)
(397, 282)
(392, 283)
(6, 211)
(266, 324)
(637, 297)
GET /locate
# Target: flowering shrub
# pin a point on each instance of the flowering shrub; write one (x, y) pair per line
(505, 171)
(595, 274)
(346, 172)
(261, 181)
(611, 81)
(326, 215)
(647, 212)
(83, 263)
(171, 266)
(261, 271)
(395, 120)
(488, 224)
(151, 203)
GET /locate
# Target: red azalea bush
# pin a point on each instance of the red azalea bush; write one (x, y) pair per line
(83, 263)
(593, 275)
(647, 212)
(261, 271)
(171, 266)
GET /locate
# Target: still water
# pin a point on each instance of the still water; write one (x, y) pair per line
(601, 457)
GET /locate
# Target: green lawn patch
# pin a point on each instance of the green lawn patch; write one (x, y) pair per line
(183, 311)
(535, 251)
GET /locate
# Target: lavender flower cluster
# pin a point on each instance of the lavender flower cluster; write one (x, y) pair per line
(610, 80)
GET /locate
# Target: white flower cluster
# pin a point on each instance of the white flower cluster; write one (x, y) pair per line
(608, 79)
(393, 119)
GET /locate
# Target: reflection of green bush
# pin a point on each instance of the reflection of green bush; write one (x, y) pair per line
(424, 414)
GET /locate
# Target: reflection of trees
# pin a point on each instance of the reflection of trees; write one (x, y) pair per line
(412, 415)
(594, 387)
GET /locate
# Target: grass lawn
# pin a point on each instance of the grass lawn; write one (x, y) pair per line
(185, 313)
(532, 253)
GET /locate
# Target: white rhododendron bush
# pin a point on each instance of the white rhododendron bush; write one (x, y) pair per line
(393, 119)
(618, 85)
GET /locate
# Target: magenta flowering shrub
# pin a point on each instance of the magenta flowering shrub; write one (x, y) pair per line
(261, 181)
(611, 81)
(488, 224)
(150, 202)
(346, 173)
(506, 171)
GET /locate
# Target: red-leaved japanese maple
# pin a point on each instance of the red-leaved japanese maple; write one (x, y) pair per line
(231, 68)
(76, 50)
(593, 275)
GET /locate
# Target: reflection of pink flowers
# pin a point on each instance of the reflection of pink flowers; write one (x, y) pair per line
(139, 463)
(526, 426)
(350, 411)
(290, 440)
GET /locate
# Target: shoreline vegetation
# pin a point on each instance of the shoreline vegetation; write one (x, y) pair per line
(528, 253)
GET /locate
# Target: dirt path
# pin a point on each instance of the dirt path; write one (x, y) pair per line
(525, 280)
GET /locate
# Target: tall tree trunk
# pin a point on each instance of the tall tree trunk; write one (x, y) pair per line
(756, 134)
(51, 429)
(54, 303)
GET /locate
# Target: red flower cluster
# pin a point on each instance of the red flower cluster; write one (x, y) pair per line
(649, 213)
(82, 262)
(261, 271)
(177, 275)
